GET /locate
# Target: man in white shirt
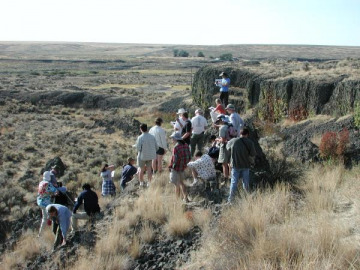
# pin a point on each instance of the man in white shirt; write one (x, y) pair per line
(160, 136)
(235, 119)
(147, 147)
(199, 124)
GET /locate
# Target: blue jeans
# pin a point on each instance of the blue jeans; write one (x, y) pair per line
(235, 175)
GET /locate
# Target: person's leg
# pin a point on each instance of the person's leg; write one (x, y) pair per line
(183, 191)
(58, 237)
(75, 217)
(154, 164)
(43, 219)
(226, 98)
(159, 163)
(148, 170)
(194, 173)
(225, 170)
(200, 142)
(177, 190)
(193, 142)
(233, 185)
(246, 179)
(141, 171)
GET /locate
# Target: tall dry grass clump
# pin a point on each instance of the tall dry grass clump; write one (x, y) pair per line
(26, 249)
(277, 229)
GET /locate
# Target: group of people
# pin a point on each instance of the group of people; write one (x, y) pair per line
(53, 202)
(232, 148)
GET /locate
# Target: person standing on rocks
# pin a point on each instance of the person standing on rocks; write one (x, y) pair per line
(242, 152)
(61, 217)
(147, 147)
(179, 123)
(129, 170)
(160, 136)
(199, 124)
(235, 118)
(91, 205)
(181, 156)
(224, 154)
(224, 88)
(187, 128)
(45, 193)
(108, 186)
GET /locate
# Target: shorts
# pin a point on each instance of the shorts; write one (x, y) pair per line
(161, 151)
(176, 177)
(142, 163)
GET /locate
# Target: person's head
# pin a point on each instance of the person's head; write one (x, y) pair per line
(221, 120)
(86, 186)
(181, 111)
(212, 138)
(143, 127)
(218, 101)
(245, 132)
(130, 160)
(199, 112)
(230, 108)
(46, 176)
(224, 75)
(104, 168)
(185, 115)
(198, 155)
(52, 211)
(158, 121)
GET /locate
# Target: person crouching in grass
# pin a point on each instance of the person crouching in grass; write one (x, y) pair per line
(129, 170)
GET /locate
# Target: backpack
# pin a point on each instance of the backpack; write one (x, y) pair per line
(231, 132)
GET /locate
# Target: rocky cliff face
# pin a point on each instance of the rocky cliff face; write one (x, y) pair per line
(334, 94)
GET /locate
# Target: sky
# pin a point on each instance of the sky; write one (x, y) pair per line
(193, 22)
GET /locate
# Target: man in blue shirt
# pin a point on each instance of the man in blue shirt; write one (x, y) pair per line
(224, 88)
(128, 172)
(61, 216)
(91, 205)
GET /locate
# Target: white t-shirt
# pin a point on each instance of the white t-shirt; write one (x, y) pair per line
(199, 123)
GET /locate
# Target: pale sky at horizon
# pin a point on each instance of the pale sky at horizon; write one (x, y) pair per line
(313, 22)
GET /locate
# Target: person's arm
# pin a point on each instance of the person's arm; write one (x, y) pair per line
(138, 144)
(79, 202)
(188, 130)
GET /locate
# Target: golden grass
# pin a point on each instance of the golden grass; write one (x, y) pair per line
(271, 230)
(147, 233)
(26, 248)
(126, 86)
(179, 222)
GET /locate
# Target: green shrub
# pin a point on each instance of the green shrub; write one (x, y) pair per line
(226, 57)
(357, 115)
(200, 54)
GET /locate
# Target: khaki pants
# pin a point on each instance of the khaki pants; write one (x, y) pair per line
(75, 217)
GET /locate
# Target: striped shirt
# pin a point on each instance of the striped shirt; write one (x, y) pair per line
(146, 146)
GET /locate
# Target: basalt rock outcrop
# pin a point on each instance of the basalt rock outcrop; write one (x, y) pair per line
(321, 95)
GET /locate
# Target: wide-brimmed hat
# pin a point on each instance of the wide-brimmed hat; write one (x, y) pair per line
(230, 106)
(46, 176)
(176, 136)
(181, 110)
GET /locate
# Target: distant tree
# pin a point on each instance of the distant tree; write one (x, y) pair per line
(176, 52)
(226, 57)
(200, 54)
(183, 53)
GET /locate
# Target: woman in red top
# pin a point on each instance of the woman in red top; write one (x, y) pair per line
(219, 107)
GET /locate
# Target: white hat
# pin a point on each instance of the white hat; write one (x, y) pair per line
(46, 176)
(181, 110)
